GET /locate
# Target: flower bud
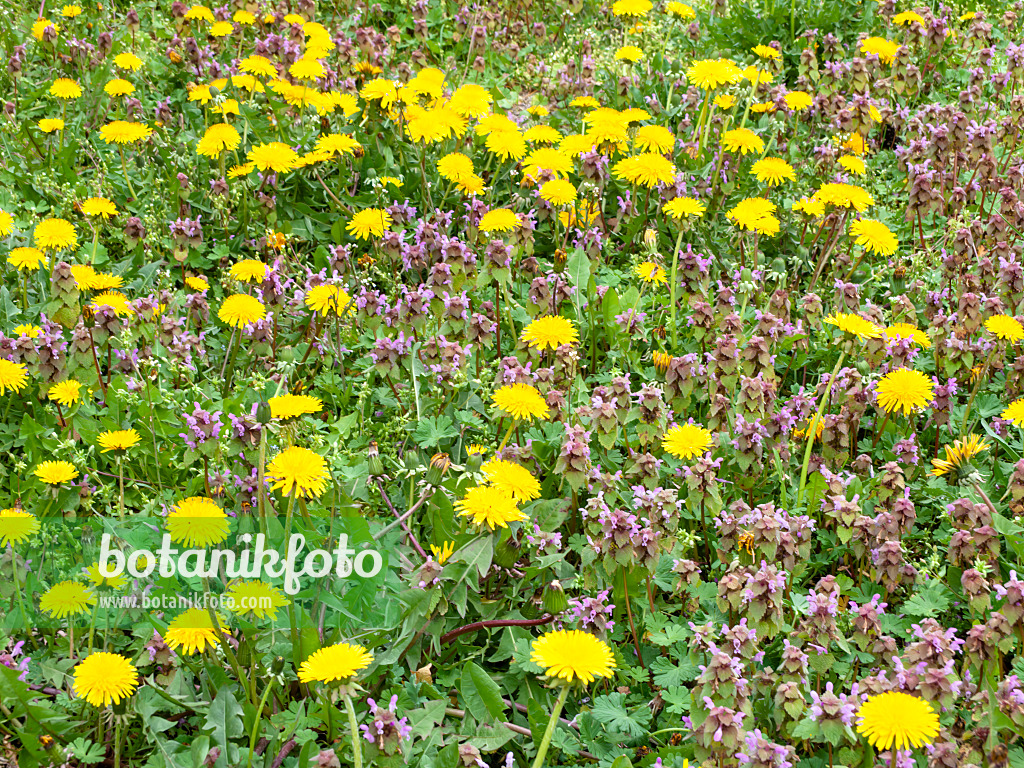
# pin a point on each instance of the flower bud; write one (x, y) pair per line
(375, 464)
(507, 552)
(554, 599)
(439, 464)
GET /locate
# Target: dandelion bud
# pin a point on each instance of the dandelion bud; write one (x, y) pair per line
(277, 665)
(439, 464)
(506, 553)
(375, 464)
(650, 239)
(662, 360)
(555, 600)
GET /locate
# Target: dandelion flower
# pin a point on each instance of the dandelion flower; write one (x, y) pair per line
(256, 597)
(709, 74)
(199, 13)
(16, 525)
(125, 132)
(128, 60)
(629, 53)
(549, 333)
(275, 156)
(241, 309)
(648, 170)
(650, 272)
(249, 271)
(685, 441)
(897, 720)
(118, 440)
(521, 401)
(772, 171)
(290, 406)
(506, 144)
(258, 65)
(65, 88)
(684, 208)
(908, 331)
(68, 598)
(1004, 327)
(337, 144)
(67, 392)
(306, 69)
(50, 125)
(97, 579)
(104, 678)
(959, 455)
(810, 206)
(682, 10)
(854, 324)
(742, 140)
(654, 138)
(499, 220)
(335, 662)
(755, 214)
(442, 553)
(471, 100)
(197, 522)
(853, 164)
(455, 167)
(845, 196)
(325, 299)
(904, 390)
(573, 656)
(766, 52)
(13, 376)
(222, 29)
(884, 49)
(298, 469)
(797, 101)
(490, 505)
(99, 206)
(1013, 413)
(874, 237)
(113, 301)
(558, 192)
(218, 138)
(58, 234)
(511, 478)
(192, 631)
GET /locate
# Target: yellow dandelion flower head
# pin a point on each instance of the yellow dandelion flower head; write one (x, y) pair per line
(1005, 328)
(71, 11)
(853, 164)
(335, 662)
(50, 125)
(306, 69)
(756, 75)
(192, 631)
(762, 107)
(115, 302)
(249, 271)
(32, 331)
(649, 272)
(686, 441)
(68, 598)
(542, 134)
(810, 206)
(907, 18)
(908, 331)
(125, 132)
(369, 222)
(573, 656)
(103, 679)
(632, 8)
(290, 406)
(490, 505)
(16, 525)
(256, 597)
(742, 140)
(298, 470)
(630, 53)
(337, 144)
(197, 522)
(538, 110)
(274, 156)
(506, 144)
(684, 208)
(756, 214)
(499, 220)
(557, 161)
(874, 237)
(244, 18)
(258, 65)
(549, 332)
(222, 29)
(218, 138)
(710, 74)
(443, 552)
(128, 60)
(1013, 413)
(471, 100)
(897, 720)
(6, 223)
(854, 324)
(682, 10)
(648, 170)
(13, 376)
(241, 310)
(797, 101)
(884, 49)
(118, 440)
(99, 206)
(558, 192)
(585, 102)
(39, 28)
(455, 167)
(381, 90)
(959, 455)
(845, 196)
(654, 138)
(26, 258)
(197, 283)
(521, 401)
(199, 13)
(772, 171)
(766, 52)
(97, 579)
(855, 144)
(67, 392)
(58, 234)
(904, 390)
(724, 101)
(325, 299)
(512, 478)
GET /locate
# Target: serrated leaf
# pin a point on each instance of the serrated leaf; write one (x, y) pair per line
(929, 601)
(432, 430)
(480, 692)
(611, 711)
(668, 674)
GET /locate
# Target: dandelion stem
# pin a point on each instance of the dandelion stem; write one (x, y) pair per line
(545, 742)
(357, 752)
(812, 428)
(675, 286)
